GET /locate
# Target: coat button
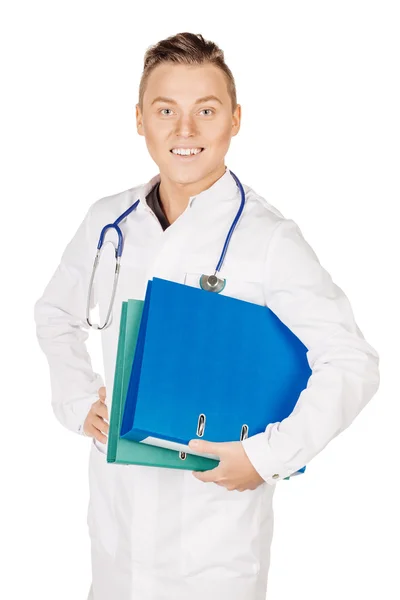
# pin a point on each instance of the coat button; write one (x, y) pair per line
(276, 476)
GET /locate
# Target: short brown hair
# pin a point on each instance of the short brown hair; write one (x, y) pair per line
(188, 49)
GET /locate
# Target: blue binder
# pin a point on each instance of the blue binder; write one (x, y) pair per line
(208, 365)
(128, 452)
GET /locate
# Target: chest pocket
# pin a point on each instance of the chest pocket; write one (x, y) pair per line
(249, 291)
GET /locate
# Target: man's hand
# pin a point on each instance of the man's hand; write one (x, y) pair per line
(96, 421)
(234, 472)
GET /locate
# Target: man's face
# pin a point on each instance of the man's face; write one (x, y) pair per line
(176, 115)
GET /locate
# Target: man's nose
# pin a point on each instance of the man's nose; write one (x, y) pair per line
(186, 125)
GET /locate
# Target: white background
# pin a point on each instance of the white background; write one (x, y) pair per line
(319, 87)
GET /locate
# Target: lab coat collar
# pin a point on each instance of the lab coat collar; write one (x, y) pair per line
(225, 188)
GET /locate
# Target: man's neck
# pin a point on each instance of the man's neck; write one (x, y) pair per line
(174, 196)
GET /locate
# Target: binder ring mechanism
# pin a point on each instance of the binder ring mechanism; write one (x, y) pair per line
(201, 424)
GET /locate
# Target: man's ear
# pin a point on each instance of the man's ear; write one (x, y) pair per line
(236, 120)
(139, 120)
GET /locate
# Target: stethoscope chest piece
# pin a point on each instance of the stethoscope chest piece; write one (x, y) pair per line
(211, 283)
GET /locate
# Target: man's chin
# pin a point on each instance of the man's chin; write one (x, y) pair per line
(184, 174)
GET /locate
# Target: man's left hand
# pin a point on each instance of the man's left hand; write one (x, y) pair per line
(234, 472)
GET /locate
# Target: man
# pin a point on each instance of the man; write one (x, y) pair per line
(163, 534)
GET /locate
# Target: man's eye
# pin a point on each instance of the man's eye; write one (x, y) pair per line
(204, 109)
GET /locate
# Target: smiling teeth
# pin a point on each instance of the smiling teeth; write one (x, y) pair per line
(186, 151)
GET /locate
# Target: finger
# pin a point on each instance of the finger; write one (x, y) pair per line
(100, 424)
(213, 475)
(102, 393)
(101, 410)
(216, 448)
(86, 430)
(96, 433)
(93, 432)
(100, 436)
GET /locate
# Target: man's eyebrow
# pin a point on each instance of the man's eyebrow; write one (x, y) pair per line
(198, 101)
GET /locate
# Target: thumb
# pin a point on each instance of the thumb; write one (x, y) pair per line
(102, 393)
(208, 447)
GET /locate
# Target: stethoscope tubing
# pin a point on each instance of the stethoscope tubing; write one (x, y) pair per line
(119, 249)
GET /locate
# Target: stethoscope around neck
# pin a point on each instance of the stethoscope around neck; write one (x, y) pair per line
(209, 283)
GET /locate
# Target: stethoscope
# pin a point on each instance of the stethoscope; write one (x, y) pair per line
(209, 283)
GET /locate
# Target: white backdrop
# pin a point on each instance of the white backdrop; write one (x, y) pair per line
(319, 87)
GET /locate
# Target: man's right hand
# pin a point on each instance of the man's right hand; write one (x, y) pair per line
(96, 422)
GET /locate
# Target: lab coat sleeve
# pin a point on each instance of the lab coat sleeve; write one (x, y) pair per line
(62, 330)
(344, 367)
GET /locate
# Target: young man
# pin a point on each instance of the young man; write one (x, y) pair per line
(165, 534)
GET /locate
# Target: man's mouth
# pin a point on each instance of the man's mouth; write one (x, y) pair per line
(186, 152)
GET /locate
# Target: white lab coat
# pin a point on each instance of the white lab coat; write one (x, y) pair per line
(161, 534)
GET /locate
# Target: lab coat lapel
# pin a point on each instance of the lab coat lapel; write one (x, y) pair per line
(200, 230)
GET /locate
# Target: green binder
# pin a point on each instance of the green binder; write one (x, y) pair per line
(125, 451)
